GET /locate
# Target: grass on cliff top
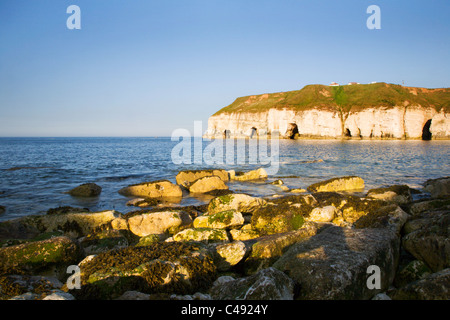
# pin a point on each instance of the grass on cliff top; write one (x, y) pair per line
(345, 98)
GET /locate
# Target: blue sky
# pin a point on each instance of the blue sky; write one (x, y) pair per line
(146, 68)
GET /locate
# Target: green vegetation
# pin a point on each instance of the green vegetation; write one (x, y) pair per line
(343, 98)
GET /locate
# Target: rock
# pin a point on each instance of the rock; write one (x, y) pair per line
(119, 224)
(86, 190)
(229, 254)
(299, 190)
(65, 210)
(15, 286)
(438, 188)
(76, 224)
(202, 234)
(221, 220)
(399, 194)
(103, 241)
(251, 175)
(59, 295)
(244, 234)
(176, 268)
(143, 203)
(381, 296)
(154, 189)
(277, 182)
(333, 264)
(266, 250)
(2, 209)
(134, 295)
(149, 240)
(282, 215)
(239, 202)
(195, 296)
(338, 184)
(416, 208)
(159, 223)
(325, 214)
(267, 284)
(207, 184)
(428, 239)
(413, 271)
(34, 257)
(432, 287)
(187, 177)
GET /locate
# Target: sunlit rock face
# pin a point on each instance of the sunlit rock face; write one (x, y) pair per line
(399, 122)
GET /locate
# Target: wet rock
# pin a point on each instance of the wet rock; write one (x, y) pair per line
(438, 188)
(187, 177)
(244, 234)
(426, 239)
(339, 258)
(154, 189)
(298, 190)
(251, 175)
(143, 203)
(338, 184)
(207, 184)
(86, 190)
(432, 287)
(176, 268)
(220, 220)
(65, 210)
(399, 194)
(40, 256)
(267, 284)
(159, 222)
(239, 202)
(419, 207)
(266, 250)
(149, 240)
(202, 234)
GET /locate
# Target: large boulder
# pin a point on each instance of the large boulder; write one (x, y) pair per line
(207, 184)
(399, 194)
(438, 188)
(334, 264)
(426, 238)
(163, 267)
(432, 287)
(220, 220)
(86, 190)
(71, 224)
(187, 177)
(40, 256)
(238, 201)
(154, 189)
(267, 249)
(257, 174)
(158, 222)
(267, 284)
(338, 184)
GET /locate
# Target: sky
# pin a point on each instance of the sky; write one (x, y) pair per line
(147, 68)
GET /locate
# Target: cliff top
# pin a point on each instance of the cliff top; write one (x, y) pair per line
(346, 98)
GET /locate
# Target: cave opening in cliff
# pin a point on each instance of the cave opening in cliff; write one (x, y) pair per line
(292, 131)
(347, 133)
(254, 133)
(426, 133)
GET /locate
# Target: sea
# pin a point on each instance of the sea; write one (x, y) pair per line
(37, 173)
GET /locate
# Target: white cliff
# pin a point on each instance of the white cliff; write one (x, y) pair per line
(398, 122)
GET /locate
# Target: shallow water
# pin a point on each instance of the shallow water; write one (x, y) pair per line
(35, 173)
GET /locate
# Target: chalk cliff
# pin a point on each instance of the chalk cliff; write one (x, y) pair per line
(358, 111)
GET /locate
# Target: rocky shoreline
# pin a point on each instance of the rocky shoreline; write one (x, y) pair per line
(313, 244)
